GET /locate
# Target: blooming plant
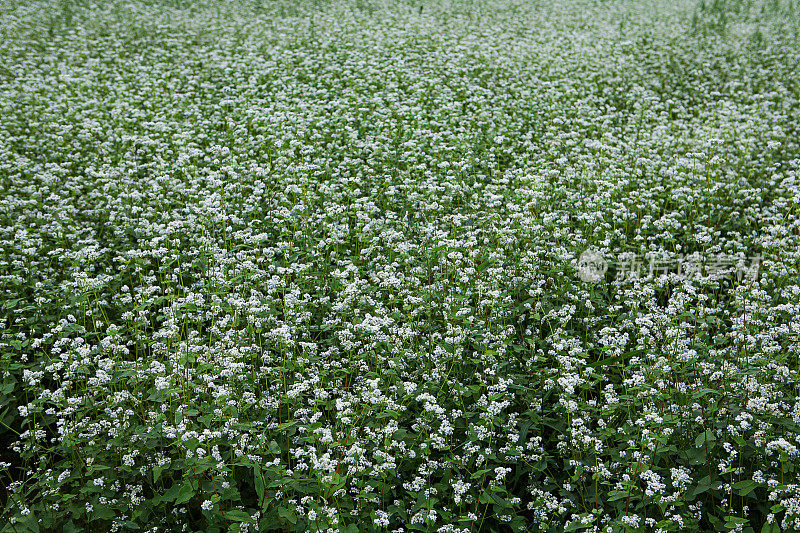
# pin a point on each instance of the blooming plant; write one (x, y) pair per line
(322, 266)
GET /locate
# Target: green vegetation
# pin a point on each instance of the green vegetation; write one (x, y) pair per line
(317, 266)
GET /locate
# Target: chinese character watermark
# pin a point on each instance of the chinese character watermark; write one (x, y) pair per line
(592, 266)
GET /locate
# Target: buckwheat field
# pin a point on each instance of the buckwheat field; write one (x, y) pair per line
(444, 266)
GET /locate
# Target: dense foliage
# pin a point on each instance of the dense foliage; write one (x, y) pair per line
(279, 265)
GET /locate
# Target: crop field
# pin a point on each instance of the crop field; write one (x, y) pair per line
(451, 266)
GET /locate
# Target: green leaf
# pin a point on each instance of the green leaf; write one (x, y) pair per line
(157, 470)
(184, 494)
(745, 487)
(615, 495)
(259, 482)
(716, 522)
(576, 524)
(30, 524)
(705, 437)
(103, 512)
(238, 516)
(287, 514)
(702, 486)
(484, 266)
(171, 493)
(479, 473)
